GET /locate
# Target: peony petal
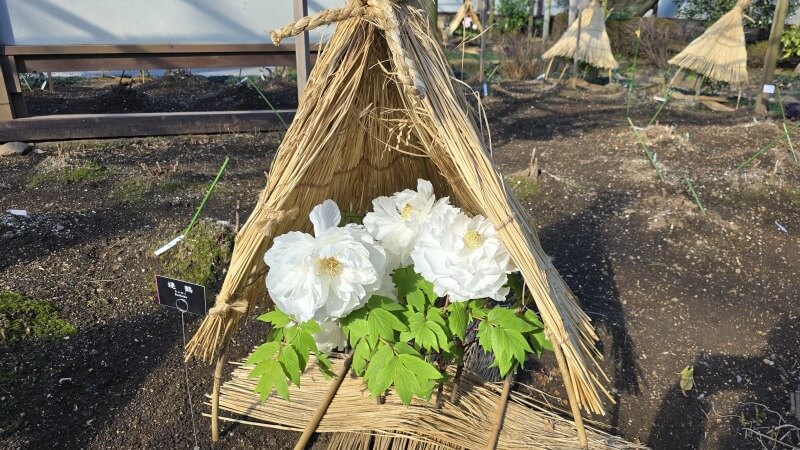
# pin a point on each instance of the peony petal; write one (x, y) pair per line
(325, 216)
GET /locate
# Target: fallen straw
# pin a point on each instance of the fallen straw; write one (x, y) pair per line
(312, 425)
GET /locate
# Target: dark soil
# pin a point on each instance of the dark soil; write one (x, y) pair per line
(666, 286)
(175, 92)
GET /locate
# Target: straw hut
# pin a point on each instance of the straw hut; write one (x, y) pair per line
(720, 52)
(382, 109)
(594, 47)
(467, 9)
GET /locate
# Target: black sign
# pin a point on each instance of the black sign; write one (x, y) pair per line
(181, 295)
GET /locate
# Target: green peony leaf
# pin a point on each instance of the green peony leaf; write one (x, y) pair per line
(509, 319)
(311, 327)
(361, 355)
(275, 317)
(272, 377)
(263, 352)
(355, 325)
(382, 323)
(458, 320)
(291, 364)
(380, 372)
(378, 301)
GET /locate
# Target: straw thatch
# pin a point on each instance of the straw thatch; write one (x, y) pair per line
(465, 10)
(720, 52)
(594, 47)
(353, 415)
(381, 110)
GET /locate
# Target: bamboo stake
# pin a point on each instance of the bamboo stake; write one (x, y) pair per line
(672, 82)
(223, 356)
(561, 77)
(739, 98)
(573, 403)
(549, 66)
(501, 413)
(323, 406)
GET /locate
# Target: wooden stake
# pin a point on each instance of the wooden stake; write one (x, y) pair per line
(739, 98)
(550, 65)
(573, 401)
(223, 356)
(577, 50)
(457, 383)
(698, 86)
(560, 77)
(494, 438)
(675, 77)
(312, 425)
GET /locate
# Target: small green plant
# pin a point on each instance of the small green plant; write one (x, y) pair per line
(131, 190)
(202, 255)
(523, 187)
(693, 193)
(84, 172)
(24, 318)
(790, 41)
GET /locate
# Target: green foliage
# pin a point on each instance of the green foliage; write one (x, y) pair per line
(790, 41)
(404, 344)
(524, 186)
(761, 11)
(22, 318)
(513, 15)
(284, 357)
(201, 257)
(756, 53)
(84, 172)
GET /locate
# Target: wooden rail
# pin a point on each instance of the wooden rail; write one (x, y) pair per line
(17, 59)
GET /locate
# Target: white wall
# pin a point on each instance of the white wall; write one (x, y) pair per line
(61, 22)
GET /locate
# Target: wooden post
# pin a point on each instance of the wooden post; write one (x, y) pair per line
(484, 7)
(6, 109)
(546, 23)
(771, 59)
(312, 425)
(531, 15)
(301, 48)
(577, 49)
(12, 89)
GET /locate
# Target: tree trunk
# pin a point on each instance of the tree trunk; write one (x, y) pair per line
(635, 8)
(772, 53)
(531, 15)
(546, 24)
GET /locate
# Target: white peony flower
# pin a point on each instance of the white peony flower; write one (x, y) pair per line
(463, 257)
(325, 276)
(330, 338)
(396, 221)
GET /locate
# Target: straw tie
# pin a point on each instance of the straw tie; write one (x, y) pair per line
(383, 14)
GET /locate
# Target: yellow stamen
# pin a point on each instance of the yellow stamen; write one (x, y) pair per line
(405, 213)
(472, 239)
(329, 266)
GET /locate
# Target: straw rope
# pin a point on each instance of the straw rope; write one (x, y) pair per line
(344, 144)
(594, 48)
(720, 53)
(357, 421)
(380, 11)
(307, 23)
